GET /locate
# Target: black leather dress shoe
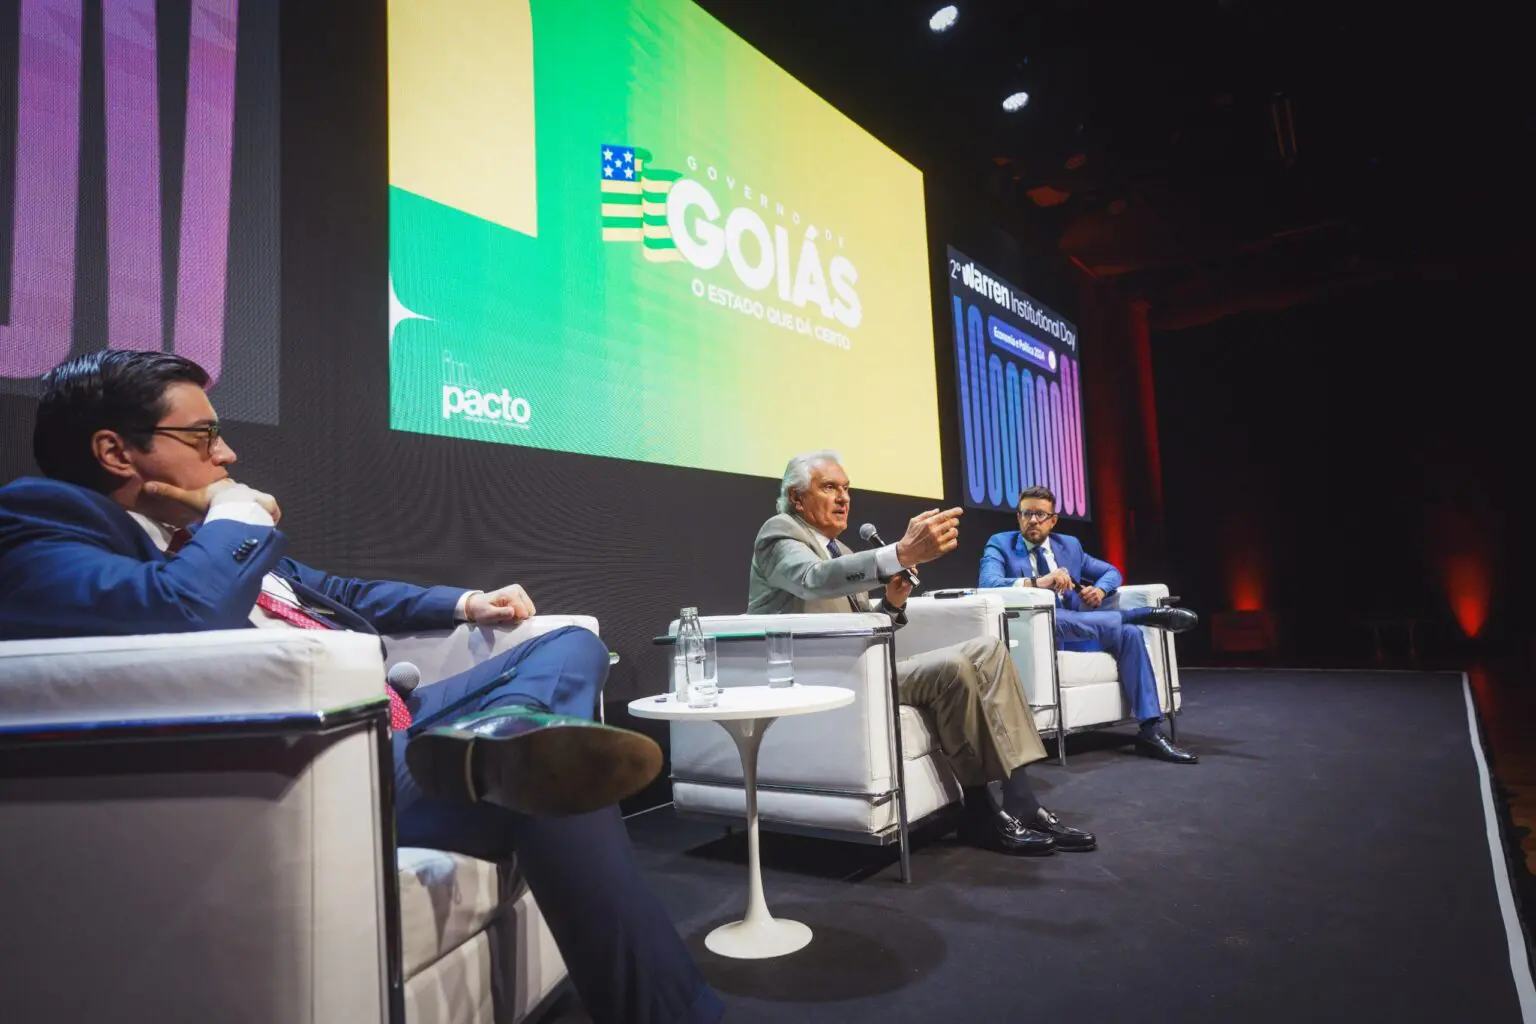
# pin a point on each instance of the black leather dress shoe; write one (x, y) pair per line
(1174, 620)
(1162, 748)
(1068, 839)
(999, 830)
(532, 761)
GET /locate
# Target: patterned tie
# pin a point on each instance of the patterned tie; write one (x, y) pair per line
(833, 549)
(399, 714)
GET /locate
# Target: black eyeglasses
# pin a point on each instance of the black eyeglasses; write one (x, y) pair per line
(208, 434)
(1036, 516)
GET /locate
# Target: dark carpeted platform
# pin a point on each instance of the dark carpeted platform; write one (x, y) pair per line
(1327, 861)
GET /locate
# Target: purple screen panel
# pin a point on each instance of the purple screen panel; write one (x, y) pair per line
(138, 189)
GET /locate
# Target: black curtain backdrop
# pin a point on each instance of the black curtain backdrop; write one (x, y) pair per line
(1349, 450)
(626, 542)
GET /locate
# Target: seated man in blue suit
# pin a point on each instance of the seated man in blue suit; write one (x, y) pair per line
(1032, 556)
(139, 528)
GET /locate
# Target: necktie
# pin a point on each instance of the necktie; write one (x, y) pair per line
(1041, 569)
(833, 549)
(179, 538)
(399, 714)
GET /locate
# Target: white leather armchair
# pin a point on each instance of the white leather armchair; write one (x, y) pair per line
(195, 828)
(863, 773)
(1072, 691)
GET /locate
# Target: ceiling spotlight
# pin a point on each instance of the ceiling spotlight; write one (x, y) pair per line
(1016, 102)
(944, 18)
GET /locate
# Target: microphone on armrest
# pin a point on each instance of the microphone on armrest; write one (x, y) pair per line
(403, 677)
(871, 536)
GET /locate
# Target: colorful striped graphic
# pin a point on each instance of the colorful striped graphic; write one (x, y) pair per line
(142, 177)
(1020, 425)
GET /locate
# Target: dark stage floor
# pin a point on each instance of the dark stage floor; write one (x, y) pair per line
(1328, 860)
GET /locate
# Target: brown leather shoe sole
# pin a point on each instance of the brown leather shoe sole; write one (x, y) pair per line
(555, 770)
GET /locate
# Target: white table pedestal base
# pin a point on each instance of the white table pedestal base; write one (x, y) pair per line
(746, 712)
(758, 940)
(758, 935)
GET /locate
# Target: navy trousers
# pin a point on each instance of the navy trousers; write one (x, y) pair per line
(1112, 632)
(626, 959)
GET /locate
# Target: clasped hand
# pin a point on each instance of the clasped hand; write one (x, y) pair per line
(1057, 580)
(201, 500)
(499, 607)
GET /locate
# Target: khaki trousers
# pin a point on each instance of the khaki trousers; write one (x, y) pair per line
(973, 692)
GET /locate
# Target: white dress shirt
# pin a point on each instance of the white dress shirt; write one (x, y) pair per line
(1029, 552)
(273, 585)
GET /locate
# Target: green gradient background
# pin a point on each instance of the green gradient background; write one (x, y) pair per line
(614, 353)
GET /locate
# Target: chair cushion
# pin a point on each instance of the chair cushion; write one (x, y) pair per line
(457, 989)
(917, 736)
(445, 900)
(1092, 704)
(1078, 668)
(930, 785)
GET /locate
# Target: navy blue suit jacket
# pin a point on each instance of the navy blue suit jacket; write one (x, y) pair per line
(75, 563)
(1006, 559)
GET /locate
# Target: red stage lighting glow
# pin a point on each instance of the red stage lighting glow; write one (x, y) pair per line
(1141, 350)
(1109, 500)
(1247, 586)
(1469, 585)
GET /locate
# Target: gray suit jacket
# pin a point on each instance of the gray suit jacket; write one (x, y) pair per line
(792, 572)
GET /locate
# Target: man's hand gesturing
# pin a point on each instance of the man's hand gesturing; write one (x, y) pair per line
(929, 535)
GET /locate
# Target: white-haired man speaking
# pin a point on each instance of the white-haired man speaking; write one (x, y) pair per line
(984, 724)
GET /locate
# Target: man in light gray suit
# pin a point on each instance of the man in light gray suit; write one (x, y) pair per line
(972, 691)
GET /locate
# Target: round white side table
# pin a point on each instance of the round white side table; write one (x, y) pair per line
(746, 712)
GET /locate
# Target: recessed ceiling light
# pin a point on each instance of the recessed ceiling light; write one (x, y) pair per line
(944, 18)
(1016, 102)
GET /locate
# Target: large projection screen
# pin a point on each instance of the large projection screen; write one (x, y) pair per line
(1017, 370)
(618, 230)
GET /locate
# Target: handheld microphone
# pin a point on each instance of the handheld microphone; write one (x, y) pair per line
(871, 536)
(403, 677)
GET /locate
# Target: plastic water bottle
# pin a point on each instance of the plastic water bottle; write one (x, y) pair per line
(688, 629)
(701, 689)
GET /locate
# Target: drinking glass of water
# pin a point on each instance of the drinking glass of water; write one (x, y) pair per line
(702, 668)
(781, 659)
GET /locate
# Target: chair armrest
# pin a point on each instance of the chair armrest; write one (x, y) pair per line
(934, 622)
(1030, 636)
(849, 749)
(1142, 595)
(1159, 642)
(171, 676)
(446, 652)
(1021, 597)
(812, 622)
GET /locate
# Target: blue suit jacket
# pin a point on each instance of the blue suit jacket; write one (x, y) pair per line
(1006, 559)
(74, 563)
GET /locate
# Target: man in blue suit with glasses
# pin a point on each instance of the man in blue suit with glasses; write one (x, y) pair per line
(138, 527)
(1032, 556)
